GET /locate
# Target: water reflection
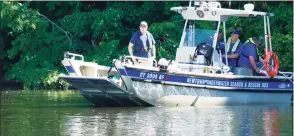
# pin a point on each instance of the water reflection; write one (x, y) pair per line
(237, 120)
(271, 122)
(67, 113)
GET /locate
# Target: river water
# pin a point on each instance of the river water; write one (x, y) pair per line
(54, 113)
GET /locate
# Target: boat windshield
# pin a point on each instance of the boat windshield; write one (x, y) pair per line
(196, 36)
(198, 32)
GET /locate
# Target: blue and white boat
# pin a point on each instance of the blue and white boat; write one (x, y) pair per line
(183, 81)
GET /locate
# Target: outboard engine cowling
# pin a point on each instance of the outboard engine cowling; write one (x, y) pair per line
(166, 65)
(206, 50)
(163, 64)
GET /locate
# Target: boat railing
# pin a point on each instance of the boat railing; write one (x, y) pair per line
(289, 75)
(73, 56)
(195, 66)
(286, 73)
(140, 59)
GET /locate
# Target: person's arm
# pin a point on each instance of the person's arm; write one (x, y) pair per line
(131, 46)
(131, 49)
(153, 51)
(233, 56)
(261, 60)
(237, 52)
(131, 52)
(253, 64)
(224, 53)
(252, 53)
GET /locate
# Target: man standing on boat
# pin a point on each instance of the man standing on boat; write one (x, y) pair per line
(249, 56)
(233, 49)
(143, 42)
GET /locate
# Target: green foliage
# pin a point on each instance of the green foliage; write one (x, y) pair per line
(35, 44)
(282, 34)
(166, 49)
(31, 46)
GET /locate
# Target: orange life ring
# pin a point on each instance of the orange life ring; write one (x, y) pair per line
(273, 72)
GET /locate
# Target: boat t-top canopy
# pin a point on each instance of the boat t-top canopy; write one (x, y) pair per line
(213, 12)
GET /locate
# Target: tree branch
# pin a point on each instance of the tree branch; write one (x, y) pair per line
(67, 34)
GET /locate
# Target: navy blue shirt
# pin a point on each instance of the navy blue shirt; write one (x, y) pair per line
(249, 49)
(232, 62)
(142, 44)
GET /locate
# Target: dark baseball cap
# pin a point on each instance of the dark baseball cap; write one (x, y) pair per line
(235, 31)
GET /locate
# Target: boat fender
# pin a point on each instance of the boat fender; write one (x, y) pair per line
(271, 55)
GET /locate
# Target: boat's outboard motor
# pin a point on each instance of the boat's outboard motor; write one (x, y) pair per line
(167, 65)
(203, 53)
(163, 64)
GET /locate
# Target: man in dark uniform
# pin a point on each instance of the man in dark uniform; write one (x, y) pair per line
(249, 56)
(142, 43)
(233, 49)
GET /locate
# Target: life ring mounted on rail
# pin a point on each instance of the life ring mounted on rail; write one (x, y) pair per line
(274, 71)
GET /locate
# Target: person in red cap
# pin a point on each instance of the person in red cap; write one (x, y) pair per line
(142, 43)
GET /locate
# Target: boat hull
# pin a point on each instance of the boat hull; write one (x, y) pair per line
(192, 89)
(103, 92)
(173, 95)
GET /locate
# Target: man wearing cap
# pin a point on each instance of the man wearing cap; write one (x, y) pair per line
(142, 43)
(249, 56)
(233, 48)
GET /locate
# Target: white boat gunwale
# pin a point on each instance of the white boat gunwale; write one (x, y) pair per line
(193, 74)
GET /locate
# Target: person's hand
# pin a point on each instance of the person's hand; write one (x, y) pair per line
(257, 70)
(263, 72)
(261, 60)
(134, 59)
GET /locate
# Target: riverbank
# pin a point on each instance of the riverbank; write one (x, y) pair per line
(13, 85)
(10, 85)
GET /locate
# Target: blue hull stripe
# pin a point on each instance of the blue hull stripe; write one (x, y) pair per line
(208, 81)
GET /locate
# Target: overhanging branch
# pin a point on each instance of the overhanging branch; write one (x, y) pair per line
(67, 34)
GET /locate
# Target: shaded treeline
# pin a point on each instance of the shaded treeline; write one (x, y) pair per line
(35, 35)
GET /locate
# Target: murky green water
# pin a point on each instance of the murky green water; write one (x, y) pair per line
(44, 113)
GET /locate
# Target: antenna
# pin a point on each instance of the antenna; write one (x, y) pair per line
(190, 3)
(211, 3)
(197, 3)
